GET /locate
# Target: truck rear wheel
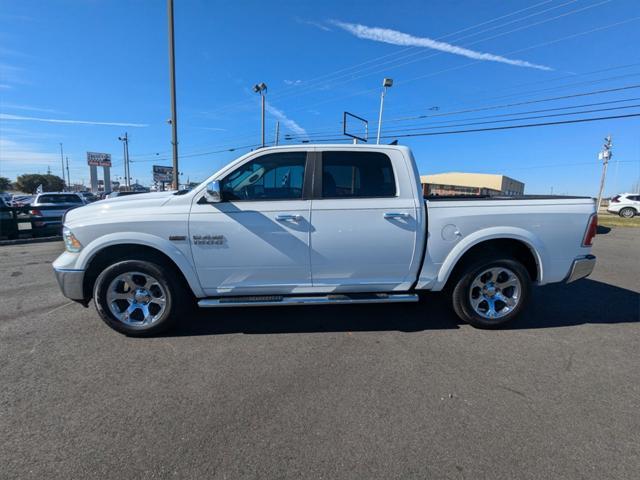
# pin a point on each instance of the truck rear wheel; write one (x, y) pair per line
(138, 297)
(491, 293)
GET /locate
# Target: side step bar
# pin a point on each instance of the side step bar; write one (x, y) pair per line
(281, 300)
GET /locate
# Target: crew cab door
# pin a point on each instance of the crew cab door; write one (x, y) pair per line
(256, 240)
(364, 222)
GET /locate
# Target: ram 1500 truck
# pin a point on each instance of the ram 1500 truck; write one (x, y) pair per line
(318, 224)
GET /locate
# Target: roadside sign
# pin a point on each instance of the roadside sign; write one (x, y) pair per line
(359, 130)
(162, 174)
(95, 159)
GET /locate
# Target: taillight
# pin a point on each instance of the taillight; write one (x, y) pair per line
(35, 213)
(592, 229)
(616, 199)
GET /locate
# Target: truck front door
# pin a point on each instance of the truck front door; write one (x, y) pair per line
(257, 239)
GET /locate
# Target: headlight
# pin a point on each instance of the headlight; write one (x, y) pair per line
(71, 243)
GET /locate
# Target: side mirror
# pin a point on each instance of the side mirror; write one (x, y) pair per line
(213, 194)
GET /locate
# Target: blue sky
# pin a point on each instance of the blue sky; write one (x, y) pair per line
(105, 62)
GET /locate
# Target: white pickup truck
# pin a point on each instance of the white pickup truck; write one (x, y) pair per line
(318, 224)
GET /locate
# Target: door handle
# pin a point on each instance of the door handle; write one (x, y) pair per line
(392, 215)
(286, 218)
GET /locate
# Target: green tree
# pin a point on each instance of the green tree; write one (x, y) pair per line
(29, 182)
(5, 183)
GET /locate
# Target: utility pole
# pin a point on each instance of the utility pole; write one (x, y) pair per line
(68, 176)
(172, 77)
(604, 155)
(277, 133)
(62, 160)
(125, 155)
(386, 83)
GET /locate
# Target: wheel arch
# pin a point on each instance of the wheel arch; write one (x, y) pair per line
(526, 249)
(94, 260)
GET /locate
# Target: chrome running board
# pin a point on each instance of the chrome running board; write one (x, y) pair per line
(282, 300)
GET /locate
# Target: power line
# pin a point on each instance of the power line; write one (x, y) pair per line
(535, 46)
(506, 127)
(316, 80)
(528, 102)
(422, 128)
(419, 50)
(511, 127)
(420, 117)
(311, 135)
(371, 90)
(516, 119)
(390, 64)
(536, 111)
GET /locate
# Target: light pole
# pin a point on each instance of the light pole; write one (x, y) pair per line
(125, 147)
(68, 176)
(261, 88)
(386, 83)
(174, 115)
(62, 160)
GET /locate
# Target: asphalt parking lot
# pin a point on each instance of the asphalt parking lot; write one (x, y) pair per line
(391, 391)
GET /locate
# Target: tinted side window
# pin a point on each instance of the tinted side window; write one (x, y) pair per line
(275, 176)
(357, 175)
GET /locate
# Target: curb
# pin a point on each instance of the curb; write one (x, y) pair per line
(21, 241)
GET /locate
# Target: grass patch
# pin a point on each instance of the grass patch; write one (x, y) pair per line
(609, 220)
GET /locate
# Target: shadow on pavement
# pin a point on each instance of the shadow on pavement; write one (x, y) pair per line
(585, 301)
(560, 305)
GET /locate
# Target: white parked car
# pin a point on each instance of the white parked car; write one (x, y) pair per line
(626, 205)
(318, 224)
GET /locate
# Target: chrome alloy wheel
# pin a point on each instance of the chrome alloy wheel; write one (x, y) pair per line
(136, 298)
(627, 213)
(495, 293)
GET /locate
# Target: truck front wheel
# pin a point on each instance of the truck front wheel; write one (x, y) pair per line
(491, 293)
(138, 297)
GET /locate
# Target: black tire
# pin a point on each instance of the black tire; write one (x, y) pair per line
(462, 291)
(177, 298)
(627, 212)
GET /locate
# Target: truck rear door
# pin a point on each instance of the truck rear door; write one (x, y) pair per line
(364, 224)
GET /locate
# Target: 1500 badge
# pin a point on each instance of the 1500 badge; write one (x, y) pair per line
(208, 239)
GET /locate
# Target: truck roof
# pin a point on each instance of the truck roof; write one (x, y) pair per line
(324, 146)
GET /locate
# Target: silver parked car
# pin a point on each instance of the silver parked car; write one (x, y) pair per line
(47, 210)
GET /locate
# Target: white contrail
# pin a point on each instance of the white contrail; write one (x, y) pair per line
(395, 37)
(7, 116)
(290, 124)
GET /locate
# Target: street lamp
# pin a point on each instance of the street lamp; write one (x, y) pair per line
(386, 83)
(261, 89)
(125, 145)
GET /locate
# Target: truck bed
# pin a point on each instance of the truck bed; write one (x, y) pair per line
(444, 198)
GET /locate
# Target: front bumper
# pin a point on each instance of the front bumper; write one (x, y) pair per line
(71, 282)
(581, 267)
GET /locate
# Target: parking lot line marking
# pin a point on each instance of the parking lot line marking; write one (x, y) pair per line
(58, 308)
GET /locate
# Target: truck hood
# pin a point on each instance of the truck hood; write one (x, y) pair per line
(96, 211)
